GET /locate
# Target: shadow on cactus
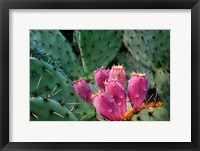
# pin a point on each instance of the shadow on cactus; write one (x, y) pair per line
(99, 75)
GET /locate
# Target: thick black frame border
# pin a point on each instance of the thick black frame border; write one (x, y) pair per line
(5, 5)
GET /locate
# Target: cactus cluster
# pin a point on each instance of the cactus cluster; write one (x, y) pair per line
(111, 99)
(70, 80)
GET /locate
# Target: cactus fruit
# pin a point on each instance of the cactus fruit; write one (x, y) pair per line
(82, 89)
(118, 73)
(98, 48)
(116, 90)
(101, 76)
(105, 104)
(137, 90)
(43, 109)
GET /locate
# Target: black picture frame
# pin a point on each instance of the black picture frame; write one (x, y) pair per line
(5, 5)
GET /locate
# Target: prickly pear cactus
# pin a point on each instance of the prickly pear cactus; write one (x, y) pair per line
(66, 84)
(47, 82)
(54, 45)
(98, 48)
(43, 109)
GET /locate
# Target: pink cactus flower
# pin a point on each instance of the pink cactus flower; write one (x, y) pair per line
(82, 89)
(101, 76)
(137, 89)
(118, 73)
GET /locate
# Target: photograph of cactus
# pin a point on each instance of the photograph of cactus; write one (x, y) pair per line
(100, 75)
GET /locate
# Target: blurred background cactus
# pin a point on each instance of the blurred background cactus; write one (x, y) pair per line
(59, 57)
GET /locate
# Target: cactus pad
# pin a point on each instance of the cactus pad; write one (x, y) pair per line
(152, 114)
(48, 83)
(42, 109)
(134, 42)
(58, 49)
(159, 43)
(98, 48)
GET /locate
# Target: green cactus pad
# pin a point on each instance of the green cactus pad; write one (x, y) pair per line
(98, 48)
(134, 42)
(45, 57)
(159, 43)
(152, 114)
(162, 80)
(58, 49)
(49, 110)
(149, 47)
(47, 82)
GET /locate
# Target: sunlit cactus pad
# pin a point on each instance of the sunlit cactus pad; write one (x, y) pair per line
(100, 75)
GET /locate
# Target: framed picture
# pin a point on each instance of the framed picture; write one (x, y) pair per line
(99, 75)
